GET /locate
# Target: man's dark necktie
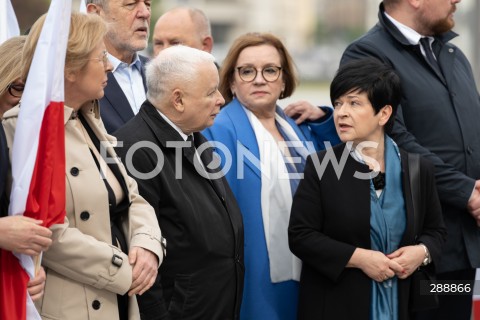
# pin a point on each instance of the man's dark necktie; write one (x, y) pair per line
(206, 158)
(190, 151)
(425, 43)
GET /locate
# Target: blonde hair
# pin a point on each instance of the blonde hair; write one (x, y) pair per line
(86, 31)
(10, 61)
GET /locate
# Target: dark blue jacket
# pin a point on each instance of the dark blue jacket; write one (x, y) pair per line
(115, 109)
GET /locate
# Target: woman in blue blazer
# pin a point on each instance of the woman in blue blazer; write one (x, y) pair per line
(263, 154)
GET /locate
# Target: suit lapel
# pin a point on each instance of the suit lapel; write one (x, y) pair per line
(144, 61)
(446, 58)
(245, 135)
(164, 133)
(207, 158)
(114, 94)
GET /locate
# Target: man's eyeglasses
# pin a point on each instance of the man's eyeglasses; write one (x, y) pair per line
(16, 90)
(249, 73)
(104, 58)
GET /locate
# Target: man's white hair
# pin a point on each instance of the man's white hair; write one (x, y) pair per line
(174, 65)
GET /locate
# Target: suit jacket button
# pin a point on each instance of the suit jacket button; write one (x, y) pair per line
(74, 171)
(96, 304)
(85, 215)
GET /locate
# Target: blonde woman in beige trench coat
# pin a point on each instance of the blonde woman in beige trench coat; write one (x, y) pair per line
(87, 272)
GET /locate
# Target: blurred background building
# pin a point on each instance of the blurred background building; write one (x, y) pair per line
(315, 31)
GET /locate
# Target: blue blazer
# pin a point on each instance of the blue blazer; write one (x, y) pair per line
(115, 109)
(261, 299)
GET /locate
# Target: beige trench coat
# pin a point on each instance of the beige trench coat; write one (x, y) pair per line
(82, 282)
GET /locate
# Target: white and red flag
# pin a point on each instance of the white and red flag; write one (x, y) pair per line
(38, 156)
(8, 21)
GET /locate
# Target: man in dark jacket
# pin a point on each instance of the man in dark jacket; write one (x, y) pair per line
(201, 277)
(128, 27)
(438, 118)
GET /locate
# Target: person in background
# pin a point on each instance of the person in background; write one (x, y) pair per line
(191, 27)
(110, 242)
(11, 87)
(182, 25)
(271, 151)
(202, 275)
(128, 25)
(438, 118)
(19, 234)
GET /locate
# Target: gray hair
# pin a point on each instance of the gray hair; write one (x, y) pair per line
(101, 3)
(174, 65)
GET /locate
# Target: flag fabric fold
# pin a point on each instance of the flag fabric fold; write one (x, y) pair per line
(8, 21)
(38, 156)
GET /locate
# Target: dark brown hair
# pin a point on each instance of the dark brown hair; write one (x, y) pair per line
(227, 71)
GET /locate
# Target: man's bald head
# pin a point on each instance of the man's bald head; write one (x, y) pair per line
(183, 25)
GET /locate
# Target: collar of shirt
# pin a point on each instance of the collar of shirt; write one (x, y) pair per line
(174, 126)
(129, 78)
(412, 36)
(184, 137)
(118, 64)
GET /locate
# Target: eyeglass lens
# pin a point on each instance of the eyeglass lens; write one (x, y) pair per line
(16, 90)
(270, 73)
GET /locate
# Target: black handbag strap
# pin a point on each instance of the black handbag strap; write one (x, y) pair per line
(414, 176)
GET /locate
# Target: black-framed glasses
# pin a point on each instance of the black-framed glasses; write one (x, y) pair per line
(16, 89)
(104, 58)
(249, 73)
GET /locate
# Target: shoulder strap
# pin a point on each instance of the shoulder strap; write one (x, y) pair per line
(414, 176)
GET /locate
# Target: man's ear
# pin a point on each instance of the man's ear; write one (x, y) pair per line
(93, 8)
(207, 44)
(177, 100)
(415, 3)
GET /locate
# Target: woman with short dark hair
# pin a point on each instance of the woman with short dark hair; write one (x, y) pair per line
(366, 215)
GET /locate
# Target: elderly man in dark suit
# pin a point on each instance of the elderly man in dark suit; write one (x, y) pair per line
(438, 118)
(202, 274)
(128, 29)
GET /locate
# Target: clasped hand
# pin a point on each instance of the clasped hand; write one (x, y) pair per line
(145, 268)
(380, 267)
(473, 205)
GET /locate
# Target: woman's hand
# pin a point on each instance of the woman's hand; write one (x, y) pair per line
(145, 268)
(409, 257)
(36, 285)
(24, 235)
(302, 111)
(374, 264)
